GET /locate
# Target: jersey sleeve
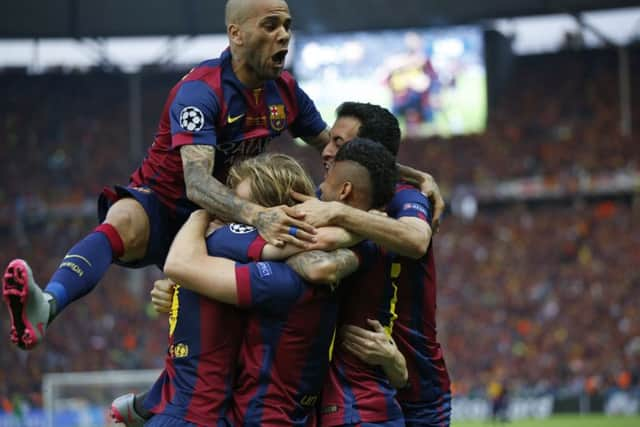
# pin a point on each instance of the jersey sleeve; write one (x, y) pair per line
(238, 242)
(193, 114)
(268, 286)
(410, 202)
(309, 121)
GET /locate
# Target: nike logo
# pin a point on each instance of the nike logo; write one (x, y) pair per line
(234, 119)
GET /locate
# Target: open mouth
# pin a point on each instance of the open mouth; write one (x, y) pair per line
(278, 58)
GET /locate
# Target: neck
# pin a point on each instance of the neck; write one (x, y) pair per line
(243, 71)
(358, 203)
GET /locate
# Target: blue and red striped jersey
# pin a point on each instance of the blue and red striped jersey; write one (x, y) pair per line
(356, 392)
(285, 353)
(204, 342)
(210, 106)
(414, 330)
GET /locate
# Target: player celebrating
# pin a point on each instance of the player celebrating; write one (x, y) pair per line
(286, 345)
(222, 111)
(409, 276)
(204, 334)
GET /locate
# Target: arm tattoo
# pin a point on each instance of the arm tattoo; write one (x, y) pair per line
(264, 219)
(339, 263)
(346, 262)
(206, 191)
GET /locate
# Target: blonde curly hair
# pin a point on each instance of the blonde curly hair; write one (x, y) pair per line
(273, 176)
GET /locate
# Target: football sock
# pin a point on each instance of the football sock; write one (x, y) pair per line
(83, 266)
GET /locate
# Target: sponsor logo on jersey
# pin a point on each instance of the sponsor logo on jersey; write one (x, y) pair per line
(191, 119)
(240, 150)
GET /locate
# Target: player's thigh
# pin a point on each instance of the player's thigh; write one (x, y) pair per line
(130, 219)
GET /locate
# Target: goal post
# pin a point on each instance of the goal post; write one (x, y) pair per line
(83, 399)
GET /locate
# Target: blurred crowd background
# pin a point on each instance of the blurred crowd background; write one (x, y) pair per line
(540, 293)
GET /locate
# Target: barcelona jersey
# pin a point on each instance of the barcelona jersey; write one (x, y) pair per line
(204, 341)
(286, 349)
(356, 392)
(210, 106)
(414, 329)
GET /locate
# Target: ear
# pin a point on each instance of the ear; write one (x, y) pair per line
(235, 34)
(346, 191)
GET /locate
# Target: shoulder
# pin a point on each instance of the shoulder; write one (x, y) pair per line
(207, 71)
(405, 191)
(406, 199)
(287, 82)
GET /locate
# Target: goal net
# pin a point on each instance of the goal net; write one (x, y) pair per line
(83, 399)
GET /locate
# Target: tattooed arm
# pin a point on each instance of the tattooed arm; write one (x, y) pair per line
(209, 193)
(324, 267)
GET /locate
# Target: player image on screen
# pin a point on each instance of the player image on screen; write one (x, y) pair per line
(223, 110)
(433, 80)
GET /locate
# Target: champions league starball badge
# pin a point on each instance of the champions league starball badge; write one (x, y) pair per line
(191, 119)
(241, 228)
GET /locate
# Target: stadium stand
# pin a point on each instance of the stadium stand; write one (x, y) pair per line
(542, 292)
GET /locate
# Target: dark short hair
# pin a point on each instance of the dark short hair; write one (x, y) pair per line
(377, 123)
(380, 164)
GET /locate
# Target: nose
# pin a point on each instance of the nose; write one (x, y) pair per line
(284, 35)
(329, 151)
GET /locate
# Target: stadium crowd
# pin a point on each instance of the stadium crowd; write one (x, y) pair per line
(545, 295)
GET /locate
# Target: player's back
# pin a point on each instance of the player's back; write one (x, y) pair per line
(204, 342)
(285, 353)
(356, 392)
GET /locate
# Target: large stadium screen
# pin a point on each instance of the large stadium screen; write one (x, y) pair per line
(433, 80)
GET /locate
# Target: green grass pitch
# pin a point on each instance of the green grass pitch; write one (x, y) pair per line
(561, 421)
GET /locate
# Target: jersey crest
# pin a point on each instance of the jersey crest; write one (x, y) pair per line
(277, 116)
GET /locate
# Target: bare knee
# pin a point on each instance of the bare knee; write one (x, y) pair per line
(131, 222)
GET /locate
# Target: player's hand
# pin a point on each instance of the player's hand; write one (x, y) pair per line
(429, 187)
(162, 295)
(373, 347)
(316, 212)
(283, 224)
(213, 226)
